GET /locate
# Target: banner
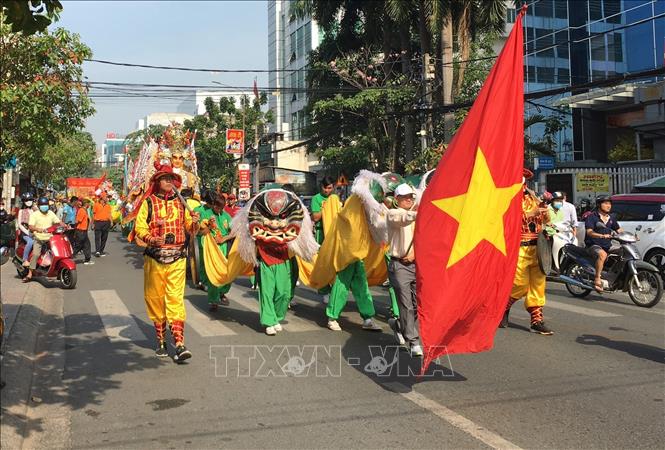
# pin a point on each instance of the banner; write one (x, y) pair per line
(244, 176)
(593, 182)
(235, 141)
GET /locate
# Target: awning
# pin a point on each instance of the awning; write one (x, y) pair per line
(654, 185)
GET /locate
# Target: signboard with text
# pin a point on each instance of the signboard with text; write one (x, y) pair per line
(235, 141)
(244, 176)
(593, 182)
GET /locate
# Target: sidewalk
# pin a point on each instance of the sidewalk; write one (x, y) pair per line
(32, 366)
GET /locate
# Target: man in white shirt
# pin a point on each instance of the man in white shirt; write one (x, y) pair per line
(402, 268)
(569, 213)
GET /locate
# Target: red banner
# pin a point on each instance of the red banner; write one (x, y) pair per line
(235, 141)
(82, 187)
(244, 176)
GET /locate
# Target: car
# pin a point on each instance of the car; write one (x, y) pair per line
(643, 215)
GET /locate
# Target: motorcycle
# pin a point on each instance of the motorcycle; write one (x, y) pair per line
(623, 271)
(7, 240)
(55, 261)
(562, 237)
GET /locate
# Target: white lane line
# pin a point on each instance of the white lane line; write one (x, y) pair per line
(579, 309)
(119, 324)
(206, 325)
(482, 434)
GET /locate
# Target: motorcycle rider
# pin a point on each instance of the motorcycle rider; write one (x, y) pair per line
(598, 240)
(39, 222)
(22, 220)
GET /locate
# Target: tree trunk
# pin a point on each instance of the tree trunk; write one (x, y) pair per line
(464, 44)
(409, 129)
(447, 79)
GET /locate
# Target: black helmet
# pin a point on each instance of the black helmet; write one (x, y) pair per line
(557, 195)
(602, 199)
(42, 201)
(27, 197)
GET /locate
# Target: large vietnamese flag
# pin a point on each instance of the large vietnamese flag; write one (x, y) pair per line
(468, 226)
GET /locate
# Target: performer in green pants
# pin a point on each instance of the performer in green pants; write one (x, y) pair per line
(352, 278)
(219, 223)
(275, 292)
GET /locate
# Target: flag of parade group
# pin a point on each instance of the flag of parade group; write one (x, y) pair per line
(467, 232)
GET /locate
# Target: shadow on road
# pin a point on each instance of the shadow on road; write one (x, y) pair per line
(643, 351)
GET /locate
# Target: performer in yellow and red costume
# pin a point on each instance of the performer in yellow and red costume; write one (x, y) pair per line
(162, 224)
(529, 280)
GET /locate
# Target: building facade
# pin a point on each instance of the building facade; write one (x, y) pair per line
(162, 118)
(195, 105)
(572, 42)
(289, 42)
(113, 150)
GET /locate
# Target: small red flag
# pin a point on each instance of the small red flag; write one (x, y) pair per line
(467, 231)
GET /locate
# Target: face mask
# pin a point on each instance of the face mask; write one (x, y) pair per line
(28, 203)
(557, 205)
(43, 208)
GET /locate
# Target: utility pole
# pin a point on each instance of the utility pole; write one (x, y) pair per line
(256, 150)
(428, 74)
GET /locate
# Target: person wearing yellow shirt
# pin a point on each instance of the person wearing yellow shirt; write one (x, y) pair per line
(40, 221)
(163, 223)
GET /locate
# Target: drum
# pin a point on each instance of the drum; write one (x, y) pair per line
(544, 250)
(193, 257)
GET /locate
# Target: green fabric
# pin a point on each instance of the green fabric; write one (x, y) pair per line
(223, 220)
(353, 278)
(394, 307)
(315, 207)
(275, 292)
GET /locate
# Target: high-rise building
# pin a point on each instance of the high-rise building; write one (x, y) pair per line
(290, 40)
(572, 42)
(113, 150)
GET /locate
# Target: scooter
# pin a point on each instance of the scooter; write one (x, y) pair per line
(623, 271)
(55, 261)
(562, 237)
(7, 240)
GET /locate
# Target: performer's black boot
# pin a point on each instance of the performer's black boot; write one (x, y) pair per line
(160, 329)
(504, 321)
(537, 322)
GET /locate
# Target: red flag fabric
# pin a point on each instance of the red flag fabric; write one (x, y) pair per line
(467, 231)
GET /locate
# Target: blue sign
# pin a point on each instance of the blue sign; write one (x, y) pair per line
(544, 163)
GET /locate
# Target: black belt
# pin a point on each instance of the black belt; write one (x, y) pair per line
(529, 243)
(402, 261)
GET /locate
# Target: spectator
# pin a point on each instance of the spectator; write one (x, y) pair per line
(101, 214)
(81, 226)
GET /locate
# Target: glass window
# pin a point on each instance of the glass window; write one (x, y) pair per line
(561, 40)
(531, 74)
(563, 76)
(598, 48)
(510, 15)
(612, 8)
(595, 9)
(546, 75)
(615, 48)
(295, 135)
(544, 39)
(598, 75)
(292, 43)
(561, 9)
(633, 211)
(308, 38)
(293, 85)
(300, 42)
(544, 8)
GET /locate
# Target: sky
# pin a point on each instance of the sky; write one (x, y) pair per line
(210, 34)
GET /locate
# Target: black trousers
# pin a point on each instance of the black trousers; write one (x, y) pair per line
(102, 228)
(82, 243)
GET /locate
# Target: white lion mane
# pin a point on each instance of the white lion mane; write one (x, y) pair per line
(375, 212)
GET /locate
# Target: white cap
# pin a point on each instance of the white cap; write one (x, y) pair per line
(404, 189)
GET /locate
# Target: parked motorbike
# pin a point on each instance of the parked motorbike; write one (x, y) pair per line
(55, 261)
(562, 237)
(7, 240)
(623, 271)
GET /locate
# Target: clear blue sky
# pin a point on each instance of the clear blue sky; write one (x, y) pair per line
(223, 34)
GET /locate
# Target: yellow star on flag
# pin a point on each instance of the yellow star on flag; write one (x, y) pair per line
(479, 211)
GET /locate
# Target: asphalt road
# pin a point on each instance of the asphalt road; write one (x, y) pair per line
(597, 383)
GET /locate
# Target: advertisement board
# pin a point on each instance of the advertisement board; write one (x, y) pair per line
(244, 176)
(235, 141)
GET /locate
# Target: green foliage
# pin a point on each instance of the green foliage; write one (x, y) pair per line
(426, 160)
(216, 167)
(135, 140)
(42, 95)
(29, 17)
(71, 156)
(626, 150)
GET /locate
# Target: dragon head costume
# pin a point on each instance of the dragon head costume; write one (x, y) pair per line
(274, 218)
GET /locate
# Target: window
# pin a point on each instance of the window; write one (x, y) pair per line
(293, 85)
(612, 8)
(561, 40)
(295, 132)
(300, 42)
(598, 75)
(563, 76)
(544, 8)
(546, 75)
(615, 47)
(510, 15)
(292, 43)
(628, 211)
(595, 9)
(598, 48)
(531, 74)
(561, 9)
(544, 39)
(308, 38)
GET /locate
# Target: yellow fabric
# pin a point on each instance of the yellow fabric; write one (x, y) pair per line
(164, 289)
(116, 214)
(142, 228)
(529, 280)
(348, 240)
(329, 211)
(220, 269)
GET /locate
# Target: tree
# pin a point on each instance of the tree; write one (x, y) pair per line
(29, 17)
(626, 149)
(136, 139)
(71, 156)
(43, 96)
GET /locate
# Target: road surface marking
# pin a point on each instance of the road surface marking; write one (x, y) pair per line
(119, 324)
(482, 434)
(206, 325)
(579, 309)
